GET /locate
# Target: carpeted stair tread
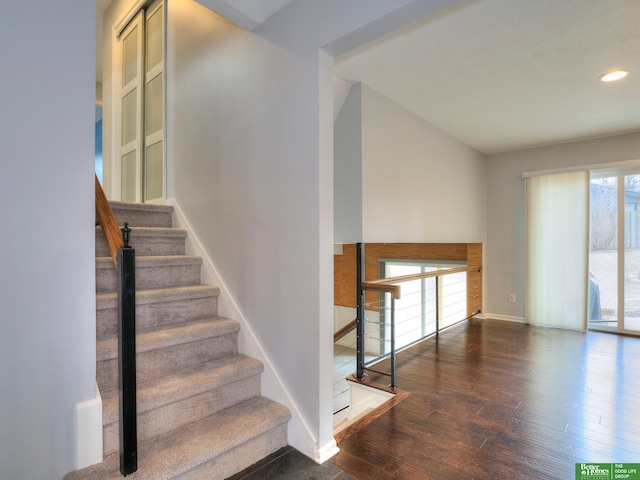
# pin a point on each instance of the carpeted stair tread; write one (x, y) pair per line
(143, 207)
(185, 383)
(157, 307)
(166, 336)
(142, 215)
(175, 454)
(152, 271)
(148, 241)
(151, 295)
(150, 232)
(152, 261)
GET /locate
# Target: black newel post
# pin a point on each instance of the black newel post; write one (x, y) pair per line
(360, 311)
(127, 355)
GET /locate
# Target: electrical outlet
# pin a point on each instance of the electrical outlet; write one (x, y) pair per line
(512, 298)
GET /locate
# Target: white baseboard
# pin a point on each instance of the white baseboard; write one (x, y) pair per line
(506, 318)
(327, 451)
(300, 435)
(89, 432)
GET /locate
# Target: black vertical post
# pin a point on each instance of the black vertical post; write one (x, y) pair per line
(393, 342)
(437, 308)
(359, 311)
(127, 355)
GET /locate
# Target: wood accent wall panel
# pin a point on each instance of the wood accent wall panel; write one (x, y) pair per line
(345, 267)
(474, 279)
(344, 277)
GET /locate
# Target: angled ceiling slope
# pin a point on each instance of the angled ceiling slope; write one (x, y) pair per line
(247, 14)
(505, 75)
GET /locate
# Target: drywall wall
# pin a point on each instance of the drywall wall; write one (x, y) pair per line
(505, 248)
(47, 344)
(347, 182)
(244, 166)
(418, 183)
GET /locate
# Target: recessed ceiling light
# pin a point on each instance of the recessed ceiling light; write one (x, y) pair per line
(614, 75)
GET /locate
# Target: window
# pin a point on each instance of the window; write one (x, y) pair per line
(424, 301)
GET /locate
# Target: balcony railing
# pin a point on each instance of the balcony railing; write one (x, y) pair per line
(407, 309)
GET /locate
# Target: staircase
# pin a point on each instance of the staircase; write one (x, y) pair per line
(200, 413)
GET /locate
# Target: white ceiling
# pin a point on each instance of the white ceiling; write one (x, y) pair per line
(247, 14)
(503, 75)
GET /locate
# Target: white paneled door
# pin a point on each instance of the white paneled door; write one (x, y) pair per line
(141, 107)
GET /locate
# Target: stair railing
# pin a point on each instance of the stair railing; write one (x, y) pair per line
(391, 289)
(108, 223)
(124, 258)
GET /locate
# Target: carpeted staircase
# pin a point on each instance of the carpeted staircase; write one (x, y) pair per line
(200, 413)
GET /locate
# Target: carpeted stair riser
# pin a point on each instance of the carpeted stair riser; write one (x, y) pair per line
(155, 363)
(136, 215)
(185, 397)
(158, 307)
(148, 241)
(151, 272)
(236, 460)
(212, 449)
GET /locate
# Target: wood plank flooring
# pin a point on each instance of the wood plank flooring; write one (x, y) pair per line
(499, 400)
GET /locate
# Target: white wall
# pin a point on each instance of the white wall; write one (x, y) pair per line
(47, 339)
(505, 249)
(244, 166)
(418, 183)
(347, 182)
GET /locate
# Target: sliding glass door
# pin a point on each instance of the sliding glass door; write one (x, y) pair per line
(614, 252)
(631, 213)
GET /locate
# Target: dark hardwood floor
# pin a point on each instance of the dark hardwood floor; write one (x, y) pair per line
(499, 400)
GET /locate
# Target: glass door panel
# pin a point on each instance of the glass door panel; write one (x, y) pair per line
(631, 253)
(154, 105)
(603, 254)
(130, 90)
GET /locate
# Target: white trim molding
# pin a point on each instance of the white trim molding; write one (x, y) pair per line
(506, 318)
(327, 451)
(128, 15)
(89, 432)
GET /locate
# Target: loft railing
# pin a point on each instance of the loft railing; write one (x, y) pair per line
(124, 258)
(396, 321)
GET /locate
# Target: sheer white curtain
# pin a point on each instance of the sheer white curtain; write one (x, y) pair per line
(557, 231)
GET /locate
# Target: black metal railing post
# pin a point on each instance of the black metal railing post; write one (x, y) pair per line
(127, 355)
(360, 311)
(392, 358)
(437, 308)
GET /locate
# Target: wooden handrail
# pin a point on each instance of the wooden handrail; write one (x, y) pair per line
(108, 223)
(391, 284)
(377, 286)
(344, 330)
